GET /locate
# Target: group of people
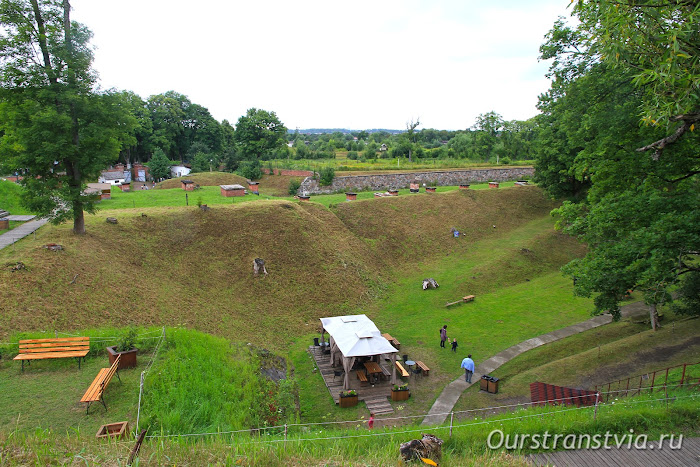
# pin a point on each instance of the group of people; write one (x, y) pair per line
(467, 363)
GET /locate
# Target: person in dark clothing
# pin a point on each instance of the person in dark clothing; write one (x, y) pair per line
(443, 336)
(454, 344)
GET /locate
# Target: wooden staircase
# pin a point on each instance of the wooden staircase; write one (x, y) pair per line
(379, 406)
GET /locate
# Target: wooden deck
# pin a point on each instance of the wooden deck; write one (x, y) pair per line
(688, 455)
(376, 397)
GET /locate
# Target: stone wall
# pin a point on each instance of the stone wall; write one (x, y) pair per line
(381, 182)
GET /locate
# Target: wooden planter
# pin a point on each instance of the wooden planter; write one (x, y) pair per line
(128, 358)
(400, 395)
(113, 430)
(348, 401)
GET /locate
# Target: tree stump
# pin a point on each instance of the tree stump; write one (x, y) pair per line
(429, 447)
(111, 220)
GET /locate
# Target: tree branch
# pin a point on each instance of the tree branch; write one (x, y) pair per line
(658, 146)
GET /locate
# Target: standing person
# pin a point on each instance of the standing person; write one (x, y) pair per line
(454, 345)
(443, 336)
(370, 423)
(468, 365)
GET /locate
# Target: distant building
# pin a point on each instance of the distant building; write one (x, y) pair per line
(177, 171)
(383, 148)
(115, 175)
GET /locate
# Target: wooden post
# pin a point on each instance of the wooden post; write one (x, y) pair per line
(135, 451)
(653, 377)
(285, 437)
(452, 415)
(683, 375)
(595, 410)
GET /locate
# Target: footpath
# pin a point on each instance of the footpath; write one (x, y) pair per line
(18, 233)
(450, 395)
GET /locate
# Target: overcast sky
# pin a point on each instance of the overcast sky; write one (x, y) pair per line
(329, 64)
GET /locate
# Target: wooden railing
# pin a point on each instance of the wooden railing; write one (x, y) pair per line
(687, 374)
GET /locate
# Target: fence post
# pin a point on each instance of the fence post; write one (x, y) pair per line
(595, 409)
(653, 377)
(138, 412)
(683, 375)
(285, 437)
(452, 415)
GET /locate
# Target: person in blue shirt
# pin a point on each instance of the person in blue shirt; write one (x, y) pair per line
(468, 365)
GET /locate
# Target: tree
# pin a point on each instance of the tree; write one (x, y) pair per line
(159, 165)
(258, 132)
(411, 135)
(488, 127)
(52, 120)
(641, 215)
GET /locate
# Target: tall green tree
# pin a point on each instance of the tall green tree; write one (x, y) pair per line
(159, 165)
(259, 132)
(53, 122)
(641, 215)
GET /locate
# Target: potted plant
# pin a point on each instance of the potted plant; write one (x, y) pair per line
(126, 348)
(348, 398)
(400, 393)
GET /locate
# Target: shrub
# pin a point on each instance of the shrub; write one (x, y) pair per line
(326, 176)
(127, 341)
(505, 160)
(352, 155)
(250, 170)
(294, 186)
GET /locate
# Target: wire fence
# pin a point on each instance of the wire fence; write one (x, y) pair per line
(143, 376)
(555, 408)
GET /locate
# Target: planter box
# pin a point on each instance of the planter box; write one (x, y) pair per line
(348, 401)
(128, 358)
(400, 395)
(113, 430)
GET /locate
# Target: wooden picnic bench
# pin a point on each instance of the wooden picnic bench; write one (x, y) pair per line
(361, 376)
(60, 347)
(96, 390)
(393, 341)
(424, 367)
(385, 372)
(401, 369)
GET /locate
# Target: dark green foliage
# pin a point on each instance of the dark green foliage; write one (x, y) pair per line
(127, 341)
(688, 302)
(259, 132)
(250, 170)
(294, 186)
(159, 165)
(326, 176)
(352, 155)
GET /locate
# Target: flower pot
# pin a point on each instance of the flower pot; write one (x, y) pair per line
(400, 395)
(113, 430)
(128, 357)
(348, 401)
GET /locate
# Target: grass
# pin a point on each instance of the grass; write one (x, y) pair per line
(343, 164)
(10, 194)
(649, 415)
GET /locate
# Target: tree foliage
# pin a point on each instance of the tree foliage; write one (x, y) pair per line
(159, 165)
(259, 132)
(639, 215)
(54, 124)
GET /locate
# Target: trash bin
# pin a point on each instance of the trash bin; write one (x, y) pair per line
(316, 341)
(493, 385)
(484, 382)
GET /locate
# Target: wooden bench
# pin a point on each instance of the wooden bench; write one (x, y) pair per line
(63, 347)
(401, 369)
(361, 376)
(385, 372)
(469, 298)
(393, 341)
(424, 367)
(96, 390)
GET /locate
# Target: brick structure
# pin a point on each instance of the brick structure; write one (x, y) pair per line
(232, 190)
(304, 197)
(393, 192)
(493, 184)
(188, 185)
(253, 186)
(430, 189)
(125, 186)
(350, 196)
(464, 186)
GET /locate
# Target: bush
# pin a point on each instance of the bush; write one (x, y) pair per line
(352, 155)
(326, 176)
(250, 170)
(294, 186)
(505, 160)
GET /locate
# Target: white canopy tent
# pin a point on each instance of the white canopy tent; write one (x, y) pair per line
(356, 336)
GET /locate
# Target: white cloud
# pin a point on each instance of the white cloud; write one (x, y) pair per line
(355, 64)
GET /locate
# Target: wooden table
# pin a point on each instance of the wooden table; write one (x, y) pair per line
(373, 369)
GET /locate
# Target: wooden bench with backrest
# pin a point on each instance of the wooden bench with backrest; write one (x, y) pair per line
(96, 390)
(60, 347)
(401, 369)
(392, 340)
(424, 367)
(361, 376)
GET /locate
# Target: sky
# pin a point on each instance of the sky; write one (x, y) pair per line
(330, 64)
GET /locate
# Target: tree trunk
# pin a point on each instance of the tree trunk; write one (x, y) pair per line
(654, 317)
(410, 151)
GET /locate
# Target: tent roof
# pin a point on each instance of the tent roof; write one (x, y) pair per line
(356, 336)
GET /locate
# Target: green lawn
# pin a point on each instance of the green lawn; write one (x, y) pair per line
(211, 195)
(502, 315)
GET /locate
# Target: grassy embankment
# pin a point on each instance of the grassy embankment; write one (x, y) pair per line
(344, 165)
(649, 415)
(10, 194)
